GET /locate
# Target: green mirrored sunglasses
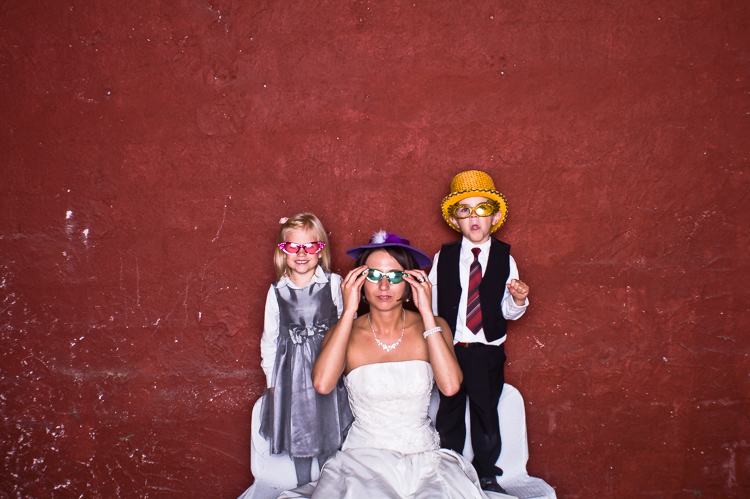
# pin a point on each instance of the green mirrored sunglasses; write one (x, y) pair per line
(375, 275)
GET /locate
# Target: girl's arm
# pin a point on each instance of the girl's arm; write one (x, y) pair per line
(338, 300)
(448, 375)
(269, 339)
(332, 358)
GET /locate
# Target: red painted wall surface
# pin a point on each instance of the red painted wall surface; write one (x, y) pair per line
(148, 149)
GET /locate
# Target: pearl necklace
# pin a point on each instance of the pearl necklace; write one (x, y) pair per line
(390, 347)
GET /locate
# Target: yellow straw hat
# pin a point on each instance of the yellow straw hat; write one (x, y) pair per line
(469, 184)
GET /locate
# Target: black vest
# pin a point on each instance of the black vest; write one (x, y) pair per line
(491, 289)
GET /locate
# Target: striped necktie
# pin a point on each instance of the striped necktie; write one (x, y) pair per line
(473, 307)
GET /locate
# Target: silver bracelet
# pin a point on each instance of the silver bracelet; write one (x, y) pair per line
(432, 330)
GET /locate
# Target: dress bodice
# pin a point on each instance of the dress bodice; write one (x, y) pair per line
(305, 312)
(390, 403)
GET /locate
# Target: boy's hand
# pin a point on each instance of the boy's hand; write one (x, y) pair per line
(519, 290)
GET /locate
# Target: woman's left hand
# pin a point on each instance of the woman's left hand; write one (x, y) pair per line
(421, 289)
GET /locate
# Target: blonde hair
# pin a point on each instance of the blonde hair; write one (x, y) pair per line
(302, 221)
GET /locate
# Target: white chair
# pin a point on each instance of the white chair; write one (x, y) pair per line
(275, 473)
(515, 451)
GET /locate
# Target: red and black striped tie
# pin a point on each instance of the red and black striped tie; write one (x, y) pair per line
(473, 308)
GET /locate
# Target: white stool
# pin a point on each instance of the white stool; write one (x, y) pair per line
(274, 473)
(515, 451)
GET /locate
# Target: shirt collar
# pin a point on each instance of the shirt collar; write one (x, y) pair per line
(318, 278)
(466, 246)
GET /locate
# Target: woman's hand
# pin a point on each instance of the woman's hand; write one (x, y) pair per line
(351, 287)
(421, 289)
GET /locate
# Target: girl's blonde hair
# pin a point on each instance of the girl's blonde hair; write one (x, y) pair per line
(302, 221)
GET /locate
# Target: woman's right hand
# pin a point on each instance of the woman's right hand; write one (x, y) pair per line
(351, 287)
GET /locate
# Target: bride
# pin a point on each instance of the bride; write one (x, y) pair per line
(390, 358)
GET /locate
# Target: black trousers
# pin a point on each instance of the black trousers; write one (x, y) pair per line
(483, 368)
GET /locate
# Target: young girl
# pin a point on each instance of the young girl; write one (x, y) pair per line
(301, 305)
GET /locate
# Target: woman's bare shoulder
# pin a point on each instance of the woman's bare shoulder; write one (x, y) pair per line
(413, 319)
(360, 323)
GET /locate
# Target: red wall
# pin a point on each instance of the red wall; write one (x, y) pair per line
(147, 151)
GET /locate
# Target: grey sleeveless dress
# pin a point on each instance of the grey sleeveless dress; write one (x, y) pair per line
(297, 419)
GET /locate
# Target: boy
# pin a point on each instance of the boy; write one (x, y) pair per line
(476, 289)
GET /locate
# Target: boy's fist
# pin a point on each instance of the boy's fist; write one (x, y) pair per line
(519, 290)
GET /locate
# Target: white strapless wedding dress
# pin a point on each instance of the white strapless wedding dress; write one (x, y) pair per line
(392, 449)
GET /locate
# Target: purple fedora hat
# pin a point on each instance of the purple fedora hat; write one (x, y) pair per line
(383, 238)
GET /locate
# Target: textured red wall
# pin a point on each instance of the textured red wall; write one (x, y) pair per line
(148, 149)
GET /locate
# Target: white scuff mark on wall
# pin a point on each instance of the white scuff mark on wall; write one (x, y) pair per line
(138, 290)
(69, 223)
(137, 283)
(124, 291)
(63, 485)
(730, 466)
(223, 219)
(8, 302)
(69, 228)
(185, 301)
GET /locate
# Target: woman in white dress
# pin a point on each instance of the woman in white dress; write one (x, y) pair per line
(390, 358)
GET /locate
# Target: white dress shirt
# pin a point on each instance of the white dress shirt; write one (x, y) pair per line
(269, 339)
(511, 311)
